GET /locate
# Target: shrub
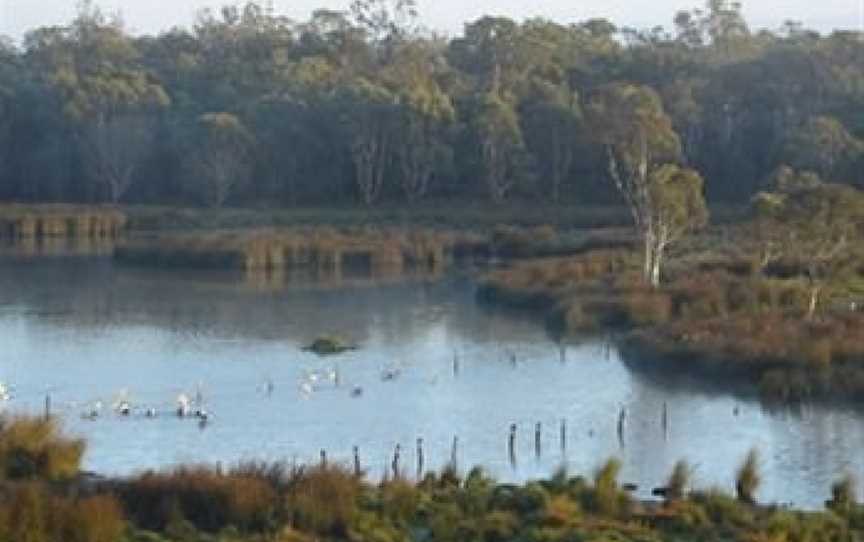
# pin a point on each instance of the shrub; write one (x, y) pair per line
(323, 500)
(209, 499)
(605, 498)
(647, 308)
(676, 487)
(33, 448)
(95, 519)
(31, 513)
(747, 479)
(843, 495)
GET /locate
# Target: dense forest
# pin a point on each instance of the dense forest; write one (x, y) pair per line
(248, 107)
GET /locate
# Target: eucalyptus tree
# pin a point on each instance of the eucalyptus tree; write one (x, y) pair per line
(92, 67)
(664, 200)
(10, 72)
(221, 158)
(369, 111)
(499, 143)
(424, 114)
(817, 226)
(822, 144)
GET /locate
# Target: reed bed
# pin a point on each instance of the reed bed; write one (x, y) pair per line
(60, 221)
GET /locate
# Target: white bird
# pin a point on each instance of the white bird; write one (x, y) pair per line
(4, 393)
(94, 411)
(182, 405)
(306, 388)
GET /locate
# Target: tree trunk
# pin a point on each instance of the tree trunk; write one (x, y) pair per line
(815, 291)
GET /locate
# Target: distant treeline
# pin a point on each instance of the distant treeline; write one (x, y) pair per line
(365, 106)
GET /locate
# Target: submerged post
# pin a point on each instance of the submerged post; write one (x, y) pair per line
(622, 416)
(419, 458)
(395, 463)
(511, 444)
(454, 453)
(358, 471)
(563, 435)
(664, 420)
(538, 428)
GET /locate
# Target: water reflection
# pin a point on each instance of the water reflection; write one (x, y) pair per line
(477, 386)
(52, 247)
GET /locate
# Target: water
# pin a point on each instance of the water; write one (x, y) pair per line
(84, 331)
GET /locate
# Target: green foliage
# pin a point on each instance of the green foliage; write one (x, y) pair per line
(207, 498)
(33, 448)
(363, 106)
(31, 513)
(747, 479)
(676, 487)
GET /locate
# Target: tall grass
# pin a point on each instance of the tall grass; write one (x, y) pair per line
(748, 478)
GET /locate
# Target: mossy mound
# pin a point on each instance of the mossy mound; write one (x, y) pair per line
(327, 346)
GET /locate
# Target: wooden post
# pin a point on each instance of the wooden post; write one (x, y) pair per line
(48, 406)
(419, 458)
(395, 463)
(323, 459)
(511, 444)
(664, 420)
(563, 435)
(622, 416)
(538, 427)
(454, 453)
(358, 471)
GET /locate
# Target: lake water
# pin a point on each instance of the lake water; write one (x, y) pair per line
(84, 330)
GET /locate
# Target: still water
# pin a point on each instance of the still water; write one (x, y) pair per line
(84, 331)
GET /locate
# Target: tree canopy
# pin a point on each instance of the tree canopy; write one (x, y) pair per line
(365, 105)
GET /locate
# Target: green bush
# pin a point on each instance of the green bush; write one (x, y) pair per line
(323, 500)
(748, 479)
(33, 448)
(208, 498)
(676, 487)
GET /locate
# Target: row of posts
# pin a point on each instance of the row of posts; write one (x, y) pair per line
(395, 469)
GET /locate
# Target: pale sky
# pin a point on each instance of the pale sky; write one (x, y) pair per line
(151, 16)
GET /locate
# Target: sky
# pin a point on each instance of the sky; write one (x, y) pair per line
(446, 16)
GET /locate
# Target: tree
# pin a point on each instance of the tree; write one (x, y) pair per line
(817, 227)
(664, 200)
(222, 158)
(386, 20)
(92, 66)
(495, 126)
(676, 206)
(424, 113)
(8, 75)
(823, 145)
(115, 147)
(369, 112)
(552, 127)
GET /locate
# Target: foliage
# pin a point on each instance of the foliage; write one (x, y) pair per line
(367, 106)
(33, 448)
(747, 479)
